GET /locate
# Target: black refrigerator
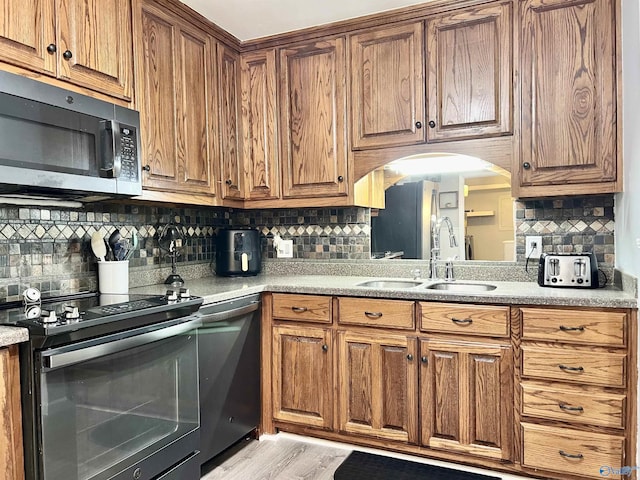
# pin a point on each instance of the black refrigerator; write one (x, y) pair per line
(403, 225)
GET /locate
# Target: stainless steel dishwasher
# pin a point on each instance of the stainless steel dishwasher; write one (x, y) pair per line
(229, 366)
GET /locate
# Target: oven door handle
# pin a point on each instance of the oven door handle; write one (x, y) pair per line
(54, 360)
(228, 314)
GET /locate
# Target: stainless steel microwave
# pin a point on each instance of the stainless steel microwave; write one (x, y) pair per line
(60, 143)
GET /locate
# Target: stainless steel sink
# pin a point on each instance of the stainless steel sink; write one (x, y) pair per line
(390, 283)
(462, 287)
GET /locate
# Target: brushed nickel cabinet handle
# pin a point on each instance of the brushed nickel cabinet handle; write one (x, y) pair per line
(325, 347)
(463, 321)
(570, 369)
(571, 329)
(570, 455)
(373, 314)
(569, 408)
(299, 309)
(424, 359)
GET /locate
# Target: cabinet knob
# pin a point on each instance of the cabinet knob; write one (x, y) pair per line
(424, 359)
(418, 125)
(432, 124)
(228, 182)
(325, 347)
(526, 165)
(340, 178)
(67, 54)
(51, 48)
(409, 357)
(146, 168)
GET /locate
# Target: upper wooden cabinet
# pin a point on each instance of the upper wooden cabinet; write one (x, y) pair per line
(87, 43)
(229, 125)
(313, 119)
(470, 73)
(174, 93)
(387, 87)
(259, 125)
(569, 99)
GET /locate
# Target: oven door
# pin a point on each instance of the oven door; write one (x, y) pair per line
(120, 406)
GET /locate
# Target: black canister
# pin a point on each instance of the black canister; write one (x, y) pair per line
(238, 252)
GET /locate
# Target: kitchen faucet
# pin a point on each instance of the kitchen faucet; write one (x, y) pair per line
(436, 225)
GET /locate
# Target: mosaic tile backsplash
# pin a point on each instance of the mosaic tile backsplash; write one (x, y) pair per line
(49, 248)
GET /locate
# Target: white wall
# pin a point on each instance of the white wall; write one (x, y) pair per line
(627, 212)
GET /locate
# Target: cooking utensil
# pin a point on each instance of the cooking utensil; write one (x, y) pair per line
(98, 246)
(113, 240)
(134, 245)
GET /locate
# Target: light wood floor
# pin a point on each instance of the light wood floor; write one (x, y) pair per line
(291, 457)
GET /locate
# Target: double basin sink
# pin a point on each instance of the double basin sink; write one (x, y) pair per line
(454, 286)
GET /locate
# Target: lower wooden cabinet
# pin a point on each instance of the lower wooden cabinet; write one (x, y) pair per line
(303, 375)
(466, 398)
(550, 399)
(11, 453)
(377, 378)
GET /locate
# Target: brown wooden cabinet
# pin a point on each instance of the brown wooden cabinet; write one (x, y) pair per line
(232, 173)
(313, 119)
(86, 43)
(303, 375)
(377, 375)
(259, 125)
(11, 448)
(175, 94)
(466, 397)
(387, 86)
(470, 73)
(570, 114)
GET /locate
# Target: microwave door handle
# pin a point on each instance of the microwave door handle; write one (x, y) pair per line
(112, 149)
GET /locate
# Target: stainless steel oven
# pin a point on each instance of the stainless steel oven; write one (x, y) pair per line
(110, 388)
(107, 403)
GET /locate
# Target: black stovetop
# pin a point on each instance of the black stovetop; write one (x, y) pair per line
(92, 314)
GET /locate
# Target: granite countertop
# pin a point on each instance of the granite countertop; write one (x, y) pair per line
(12, 335)
(216, 289)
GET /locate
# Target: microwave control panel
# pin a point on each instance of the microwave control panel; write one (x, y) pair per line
(129, 154)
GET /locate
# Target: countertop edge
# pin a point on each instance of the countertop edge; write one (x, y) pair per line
(11, 335)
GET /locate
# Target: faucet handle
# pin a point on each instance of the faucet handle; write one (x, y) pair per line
(448, 270)
(416, 272)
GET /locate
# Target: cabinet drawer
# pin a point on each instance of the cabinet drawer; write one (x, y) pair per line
(571, 404)
(471, 319)
(594, 368)
(302, 308)
(376, 313)
(570, 451)
(573, 326)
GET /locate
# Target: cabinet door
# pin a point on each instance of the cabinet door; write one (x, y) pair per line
(387, 87)
(229, 107)
(174, 78)
(469, 74)
(313, 111)
(569, 129)
(95, 45)
(378, 386)
(302, 375)
(466, 397)
(26, 30)
(259, 125)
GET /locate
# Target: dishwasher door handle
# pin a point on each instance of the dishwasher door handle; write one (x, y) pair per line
(228, 314)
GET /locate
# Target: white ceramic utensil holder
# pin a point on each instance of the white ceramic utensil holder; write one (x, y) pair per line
(113, 277)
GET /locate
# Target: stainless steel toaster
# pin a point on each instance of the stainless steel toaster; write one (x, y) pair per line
(568, 270)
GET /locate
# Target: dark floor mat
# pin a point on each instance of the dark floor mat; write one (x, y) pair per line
(366, 466)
